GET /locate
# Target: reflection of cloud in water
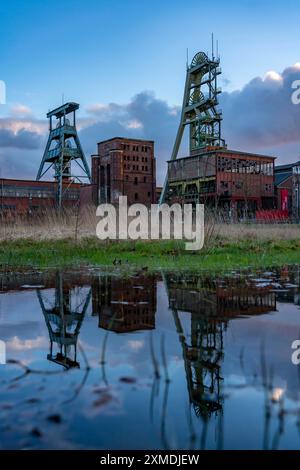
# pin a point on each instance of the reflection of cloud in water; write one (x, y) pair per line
(141, 314)
(136, 345)
(17, 344)
(277, 394)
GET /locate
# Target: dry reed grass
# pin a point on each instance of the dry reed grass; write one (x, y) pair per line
(81, 223)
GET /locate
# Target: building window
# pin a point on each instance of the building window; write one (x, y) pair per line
(136, 196)
(146, 159)
(137, 168)
(146, 168)
(149, 194)
(145, 179)
(133, 158)
(135, 180)
(126, 177)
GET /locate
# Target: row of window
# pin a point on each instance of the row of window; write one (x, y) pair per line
(136, 196)
(135, 158)
(240, 184)
(136, 181)
(236, 165)
(136, 148)
(136, 167)
(34, 193)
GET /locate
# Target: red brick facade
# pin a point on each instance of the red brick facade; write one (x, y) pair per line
(238, 182)
(124, 167)
(27, 197)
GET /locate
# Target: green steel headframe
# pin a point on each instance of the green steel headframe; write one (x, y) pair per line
(199, 108)
(62, 149)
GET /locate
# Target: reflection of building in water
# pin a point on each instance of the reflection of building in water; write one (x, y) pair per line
(226, 298)
(289, 291)
(211, 304)
(125, 305)
(63, 318)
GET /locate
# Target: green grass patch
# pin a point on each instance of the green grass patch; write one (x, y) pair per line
(222, 254)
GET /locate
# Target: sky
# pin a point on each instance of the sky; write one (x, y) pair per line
(124, 62)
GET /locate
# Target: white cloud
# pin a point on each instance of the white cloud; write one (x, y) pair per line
(274, 76)
(20, 110)
(134, 124)
(97, 108)
(17, 125)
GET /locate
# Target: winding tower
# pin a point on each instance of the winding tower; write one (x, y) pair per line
(199, 109)
(63, 149)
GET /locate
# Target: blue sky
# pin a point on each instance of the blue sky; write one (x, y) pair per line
(107, 51)
(124, 62)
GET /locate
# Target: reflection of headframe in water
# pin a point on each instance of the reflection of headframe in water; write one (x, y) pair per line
(202, 363)
(211, 303)
(63, 322)
(202, 358)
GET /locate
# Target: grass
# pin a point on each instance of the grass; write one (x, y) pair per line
(69, 240)
(222, 253)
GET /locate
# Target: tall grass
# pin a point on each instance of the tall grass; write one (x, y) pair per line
(53, 239)
(80, 222)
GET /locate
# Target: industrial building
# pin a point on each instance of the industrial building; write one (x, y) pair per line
(28, 198)
(237, 183)
(287, 185)
(124, 167)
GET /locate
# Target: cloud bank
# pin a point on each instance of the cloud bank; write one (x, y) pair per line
(258, 118)
(262, 114)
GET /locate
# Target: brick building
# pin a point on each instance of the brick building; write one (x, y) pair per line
(287, 182)
(124, 167)
(22, 198)
(239, 183)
